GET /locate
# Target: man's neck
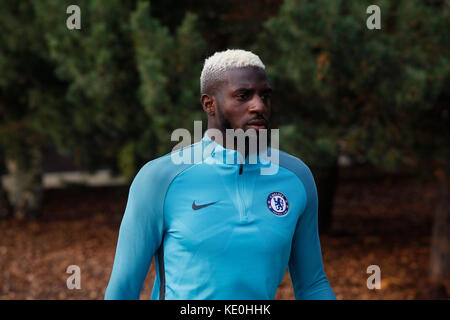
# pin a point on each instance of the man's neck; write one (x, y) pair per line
(233, 145)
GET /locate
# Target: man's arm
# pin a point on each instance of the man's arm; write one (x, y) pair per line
(305, 264)
(140, 236)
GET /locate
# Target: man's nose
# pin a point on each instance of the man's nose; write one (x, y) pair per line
(257, 105)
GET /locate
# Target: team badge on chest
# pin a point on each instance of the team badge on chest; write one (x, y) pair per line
(278, 203)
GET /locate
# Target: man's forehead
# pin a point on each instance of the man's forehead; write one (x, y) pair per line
(246, 77)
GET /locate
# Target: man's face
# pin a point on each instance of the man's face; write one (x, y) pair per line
(243, 101)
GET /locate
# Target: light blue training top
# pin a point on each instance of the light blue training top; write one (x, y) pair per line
(220, 230)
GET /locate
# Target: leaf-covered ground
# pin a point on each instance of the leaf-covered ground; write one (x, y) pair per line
(377, 221)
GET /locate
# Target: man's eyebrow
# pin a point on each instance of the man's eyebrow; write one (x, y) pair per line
(244, 89)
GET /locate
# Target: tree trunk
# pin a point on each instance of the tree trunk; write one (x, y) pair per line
(434, 287)
(5, 207)
(26, 189)
(440, 240)
(327, 180)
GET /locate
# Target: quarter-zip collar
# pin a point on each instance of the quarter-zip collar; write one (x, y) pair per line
(222, 155)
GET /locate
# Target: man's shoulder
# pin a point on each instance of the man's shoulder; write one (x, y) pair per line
(164, 167)
(294, 164)
(300, 169)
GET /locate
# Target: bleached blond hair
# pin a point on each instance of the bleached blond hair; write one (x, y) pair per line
(216, 65)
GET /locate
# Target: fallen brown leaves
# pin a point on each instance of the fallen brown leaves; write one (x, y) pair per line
(386, 222)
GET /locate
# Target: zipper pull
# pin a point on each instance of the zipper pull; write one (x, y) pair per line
(240, 168)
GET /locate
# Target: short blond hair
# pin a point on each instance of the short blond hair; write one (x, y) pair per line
(216, 65)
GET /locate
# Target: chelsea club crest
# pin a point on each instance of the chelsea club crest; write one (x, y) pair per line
(278, 203)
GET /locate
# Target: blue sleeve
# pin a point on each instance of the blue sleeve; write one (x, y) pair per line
(305, 264)
(140, 235)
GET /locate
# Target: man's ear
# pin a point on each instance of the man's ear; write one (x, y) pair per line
(208, 104)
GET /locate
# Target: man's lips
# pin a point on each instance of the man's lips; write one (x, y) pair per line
(257, 124)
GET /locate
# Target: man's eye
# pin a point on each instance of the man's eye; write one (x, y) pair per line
(243, 96)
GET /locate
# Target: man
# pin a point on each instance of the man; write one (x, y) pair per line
(221, 229)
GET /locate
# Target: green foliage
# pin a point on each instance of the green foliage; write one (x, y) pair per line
(129, 81)
(374, 94)
(97, 62)
(29, 92)
(112, 92)
(169, 68)
(127, 161)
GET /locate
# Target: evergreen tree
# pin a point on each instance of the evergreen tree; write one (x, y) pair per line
(108, 94)
(29, 99)
(169, 69)
(131, 82)
(380, 96)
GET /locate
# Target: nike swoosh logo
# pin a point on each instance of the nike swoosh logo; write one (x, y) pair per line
(196, 207)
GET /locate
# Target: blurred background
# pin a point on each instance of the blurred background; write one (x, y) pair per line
(82, 110)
